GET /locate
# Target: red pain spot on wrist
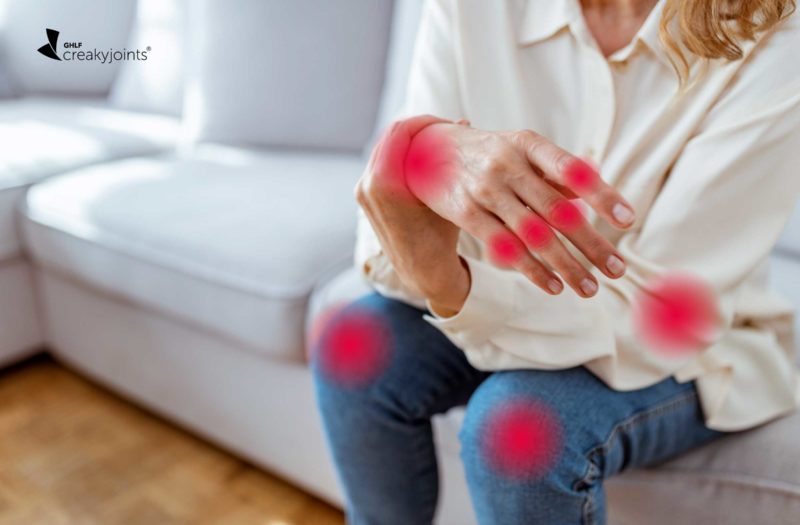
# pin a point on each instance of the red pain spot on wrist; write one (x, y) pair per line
(566, 216)
(521, 439)
(505, 249)
(536, 232)
(580, 176)
(352, 347)
(428, 163)
(676, 314)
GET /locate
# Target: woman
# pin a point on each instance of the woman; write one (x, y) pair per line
(689, 112)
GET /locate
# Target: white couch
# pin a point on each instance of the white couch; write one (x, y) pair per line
(179, 260)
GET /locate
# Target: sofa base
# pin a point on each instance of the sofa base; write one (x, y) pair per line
(258, 408)
(19, 326)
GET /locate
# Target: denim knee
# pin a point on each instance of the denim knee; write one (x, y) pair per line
(381, 351)
(517, 447)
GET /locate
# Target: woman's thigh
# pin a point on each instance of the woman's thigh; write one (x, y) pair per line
(538, 444)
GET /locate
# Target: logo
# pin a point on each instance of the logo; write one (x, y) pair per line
(73, 51)
(49, 49)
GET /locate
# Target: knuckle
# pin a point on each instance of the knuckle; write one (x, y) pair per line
(484, 191)
(468, 214)
(561, 160)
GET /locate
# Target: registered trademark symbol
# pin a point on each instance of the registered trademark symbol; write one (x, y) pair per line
(148, 48)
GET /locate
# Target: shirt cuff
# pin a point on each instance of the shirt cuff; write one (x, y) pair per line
(489, 304)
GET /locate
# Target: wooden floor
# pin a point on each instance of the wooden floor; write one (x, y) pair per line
(72, 453)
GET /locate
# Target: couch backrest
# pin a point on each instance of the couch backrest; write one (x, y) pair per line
(789, 242)
(299, 73)
(93, 24)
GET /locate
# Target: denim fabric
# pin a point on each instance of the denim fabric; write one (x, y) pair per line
(381, 438)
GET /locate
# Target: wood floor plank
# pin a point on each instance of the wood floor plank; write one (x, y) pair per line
(73, 453)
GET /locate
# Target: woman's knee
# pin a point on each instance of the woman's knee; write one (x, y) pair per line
(514, 435)
(371, 351)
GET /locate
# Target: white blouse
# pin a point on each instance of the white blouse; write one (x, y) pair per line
(711, 169)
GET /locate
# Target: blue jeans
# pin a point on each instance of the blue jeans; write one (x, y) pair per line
(381, 437)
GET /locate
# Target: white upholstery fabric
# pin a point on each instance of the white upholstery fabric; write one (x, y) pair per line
(261, 409)
(6, 88)
(305, 73)
(790, 240)
(41, 137)
(228, 240)
(20, 332)
(157, 84)
(100, 25)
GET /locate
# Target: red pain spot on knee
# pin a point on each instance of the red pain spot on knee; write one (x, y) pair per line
(428, 163)
(566, 216)
(676, 314)
(580, 176)
(353, 347)
(522, 439)
(505, 249)
(536, 232)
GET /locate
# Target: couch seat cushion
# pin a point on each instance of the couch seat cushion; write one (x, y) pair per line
(229, 240)
(41, 137)
(789, 243)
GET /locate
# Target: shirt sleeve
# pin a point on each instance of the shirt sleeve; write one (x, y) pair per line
(432, 88)
(718, 215)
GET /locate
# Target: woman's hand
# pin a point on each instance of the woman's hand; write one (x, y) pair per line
(511, 191)
(420, 244)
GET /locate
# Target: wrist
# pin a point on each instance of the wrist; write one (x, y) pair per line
(447, 294)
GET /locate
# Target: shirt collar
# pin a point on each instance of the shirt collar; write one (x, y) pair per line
(541, 20)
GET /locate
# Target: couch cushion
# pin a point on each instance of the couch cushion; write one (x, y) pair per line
(789, 242)
(317, 82)
(41, 137)
(746, 478)
(96, 25)
(228, 240)
(156, 85)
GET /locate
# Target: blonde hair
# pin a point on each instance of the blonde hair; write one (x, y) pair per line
(715, 28)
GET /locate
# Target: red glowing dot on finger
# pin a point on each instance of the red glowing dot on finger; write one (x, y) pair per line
(505, 249)
(536, 232)
(566, 216)
(522, 440)
(428, 163)
(354, 348)
(676, 314)
(580, 176)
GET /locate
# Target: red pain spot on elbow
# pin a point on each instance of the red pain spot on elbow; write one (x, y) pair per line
(352, 347)
(505, 249)
(580, 176)
(676, 314)
(566, 216)
(536, 232)
(521, 439)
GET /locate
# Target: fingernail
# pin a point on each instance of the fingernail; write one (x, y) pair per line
(622, 213)
(588, 286)
(615, 265)
(555, 286)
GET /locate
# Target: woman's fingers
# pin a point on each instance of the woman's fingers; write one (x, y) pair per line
(540, 238)
(506, 249)
(564, 169)
(567, 218)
